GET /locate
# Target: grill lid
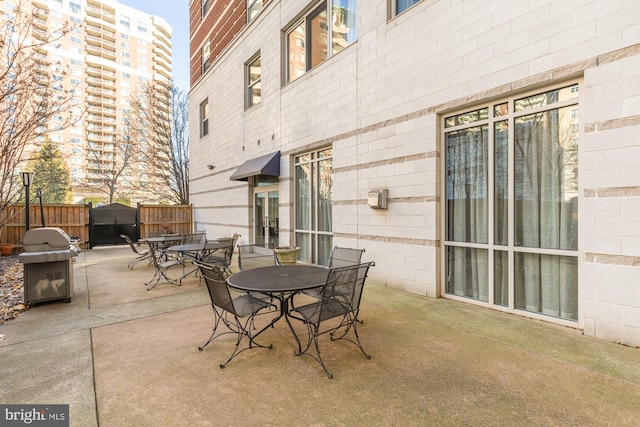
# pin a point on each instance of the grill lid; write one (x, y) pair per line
(46, 239)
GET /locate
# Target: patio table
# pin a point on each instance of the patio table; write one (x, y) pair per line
(282, 282)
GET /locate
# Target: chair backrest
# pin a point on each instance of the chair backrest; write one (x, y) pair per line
(228, 253)
(197, 237)
(254, 256)
(217, 287)
(342, 257)
(344, 286)
(130, 242)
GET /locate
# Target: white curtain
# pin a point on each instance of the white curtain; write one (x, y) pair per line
(545, 215)
(467, 211)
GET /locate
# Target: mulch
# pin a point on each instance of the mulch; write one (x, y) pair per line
(11, 288)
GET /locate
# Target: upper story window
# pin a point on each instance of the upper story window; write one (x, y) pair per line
(204, 118)
(205, 7)
(253, 8)
(311, 39)
(75, 7)
(206, 56)
(125, 22)
(399, 6)
(253, 79)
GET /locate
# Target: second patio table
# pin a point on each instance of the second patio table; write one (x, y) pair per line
(281, 282)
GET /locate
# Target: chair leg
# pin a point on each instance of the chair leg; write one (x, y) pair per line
(215, 328)
(313, 338)
(349, 322)
(242, 331)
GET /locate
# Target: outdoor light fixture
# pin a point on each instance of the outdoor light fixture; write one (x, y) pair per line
(27, 178)
(210, 167)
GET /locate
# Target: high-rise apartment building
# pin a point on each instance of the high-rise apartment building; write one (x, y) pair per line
(111, 55)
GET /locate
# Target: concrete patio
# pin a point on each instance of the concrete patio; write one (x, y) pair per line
(120, 355)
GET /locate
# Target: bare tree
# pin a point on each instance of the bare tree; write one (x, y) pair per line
(108, 164)
(31, 94)
(161, 118)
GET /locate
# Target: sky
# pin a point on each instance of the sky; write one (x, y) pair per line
(176, 13)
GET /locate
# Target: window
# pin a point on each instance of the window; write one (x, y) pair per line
(205, 7)
(75, 7)
(253, 8)
(125, 23)
(311, 40)
(206, 56)
(204, 118)
(511, 203)
(142, 29)
(313, 215)
(253, 76)
(399, 6)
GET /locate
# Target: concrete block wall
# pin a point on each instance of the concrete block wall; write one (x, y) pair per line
(379, 105)
(610, 172)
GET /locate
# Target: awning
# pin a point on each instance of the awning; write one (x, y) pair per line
(268, 165)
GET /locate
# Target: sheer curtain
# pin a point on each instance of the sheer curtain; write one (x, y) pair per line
(545, 215)
(467, 211)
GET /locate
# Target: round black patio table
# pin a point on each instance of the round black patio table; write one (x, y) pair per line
(282, 282)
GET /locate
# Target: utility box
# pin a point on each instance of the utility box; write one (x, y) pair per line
(377, 199)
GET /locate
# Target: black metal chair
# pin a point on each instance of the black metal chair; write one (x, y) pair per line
(342, 257)
(254, 256)
(223, 257)
(339, 298)
(237, 314)
(141, 255)
(197, 237)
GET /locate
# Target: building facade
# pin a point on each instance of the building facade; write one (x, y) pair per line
(112, 53)
(487, 152)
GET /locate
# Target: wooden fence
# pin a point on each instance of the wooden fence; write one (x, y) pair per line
(74, 220)
(160, 219)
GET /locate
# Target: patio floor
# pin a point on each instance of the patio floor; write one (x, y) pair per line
(120, 355)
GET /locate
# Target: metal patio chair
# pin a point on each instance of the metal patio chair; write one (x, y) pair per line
(141, 255)
(237, 314)
(223, 257)
(254, 256)
(339, 298)
(340, 257)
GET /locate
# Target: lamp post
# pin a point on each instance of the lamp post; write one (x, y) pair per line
(39, 193)
(27, 178)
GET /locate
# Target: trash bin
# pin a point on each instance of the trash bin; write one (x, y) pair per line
(48, 265)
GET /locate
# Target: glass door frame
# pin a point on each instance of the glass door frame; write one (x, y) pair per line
(269, 233)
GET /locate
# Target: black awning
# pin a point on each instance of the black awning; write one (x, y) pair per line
(268, 165)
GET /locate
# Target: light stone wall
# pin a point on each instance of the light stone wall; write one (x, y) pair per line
(379, 104)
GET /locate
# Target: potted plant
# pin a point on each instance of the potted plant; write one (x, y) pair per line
(6, 249)
(287, 255)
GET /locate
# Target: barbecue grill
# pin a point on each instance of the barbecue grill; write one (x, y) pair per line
(48, 265)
